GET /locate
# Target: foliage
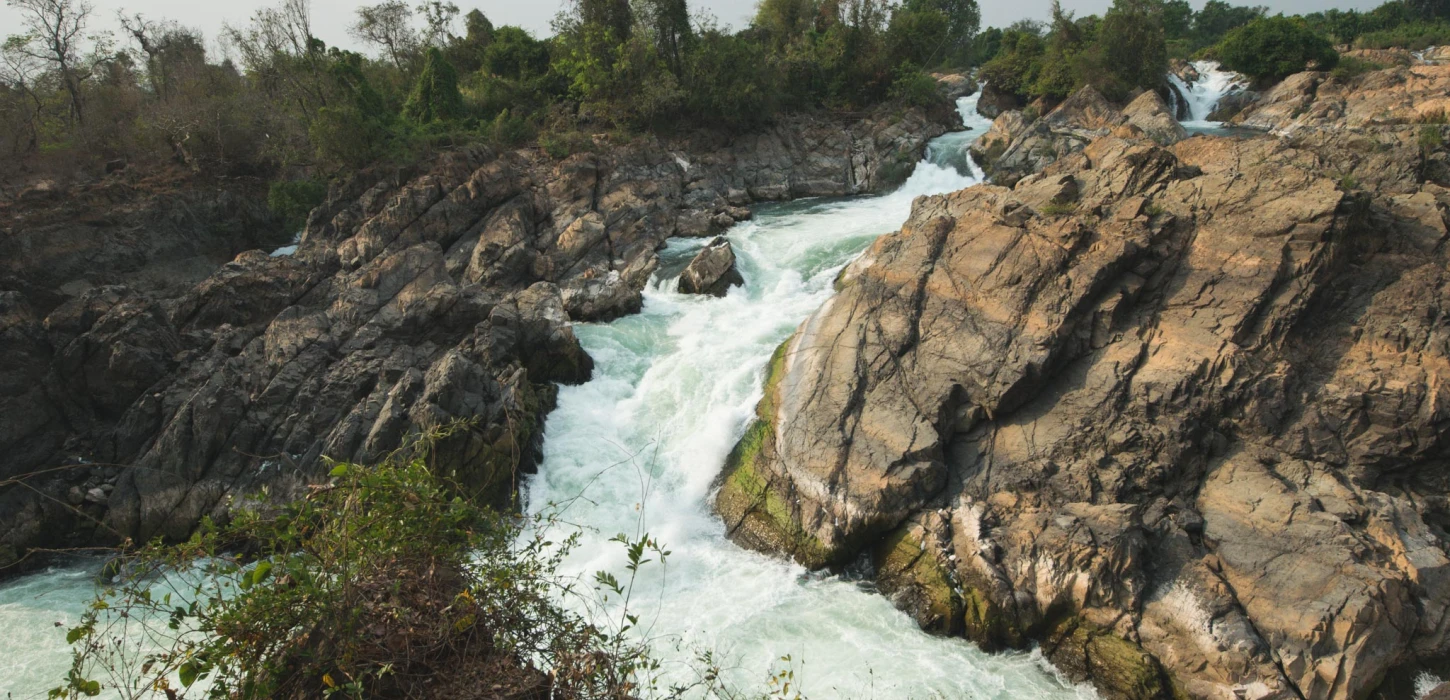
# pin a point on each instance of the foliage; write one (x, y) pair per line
(1351, 67)
(381, 582)
(435, 97)
(1271, 48)
(1415, 36)
(915, 88)
(293, 200)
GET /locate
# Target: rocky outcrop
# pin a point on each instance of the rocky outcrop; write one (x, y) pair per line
(1016, 146)
(1396, 96)
(994, 102)
(160, 234)
(712, 271)
(954, 86)
(418, 301)
(1176, 414)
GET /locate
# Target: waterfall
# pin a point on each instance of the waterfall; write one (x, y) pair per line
(1202, 96)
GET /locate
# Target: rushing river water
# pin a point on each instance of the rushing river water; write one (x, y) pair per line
(639, 447)
(644, 441)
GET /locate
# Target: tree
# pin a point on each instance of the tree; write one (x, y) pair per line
(784, 20)
(1429, 9)
(436, 96)
(963, 19)
(1177, 19)
(1272, 48)
(614, 15)
(1218, 18)
(438, 17)
(388, 25)
(56, 28)
(1132, 44)
(669, 23)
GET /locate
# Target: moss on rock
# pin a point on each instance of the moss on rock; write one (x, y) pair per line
(759, 515)
(1120, 669)
(918, 581)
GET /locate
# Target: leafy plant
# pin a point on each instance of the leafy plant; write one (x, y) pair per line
(293, 200)
(1272, 48)
(381, 581)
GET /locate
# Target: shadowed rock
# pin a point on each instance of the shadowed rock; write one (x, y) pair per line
(712, 271)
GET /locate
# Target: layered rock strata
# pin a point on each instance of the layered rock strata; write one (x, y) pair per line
(1178, 414)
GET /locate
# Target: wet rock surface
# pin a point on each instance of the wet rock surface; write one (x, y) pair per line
(417, 300)
(1176, 413)
(712, 271)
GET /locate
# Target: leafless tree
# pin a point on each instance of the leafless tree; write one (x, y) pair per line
(56, 28)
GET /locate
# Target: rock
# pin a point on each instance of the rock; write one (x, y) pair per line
(954, 86)
(419, 298)
(994, 102)
(1171, 413)
(1184, 70)
(712, 271)
(1395, 96)
(97, 496)
(1065, 130)
(1147, 112)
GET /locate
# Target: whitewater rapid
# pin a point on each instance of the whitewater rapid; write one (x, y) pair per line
(638, 449)
(1202, 96)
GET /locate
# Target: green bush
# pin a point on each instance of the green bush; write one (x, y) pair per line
(1351, 67)
(1273, 48)
(508, 130)
(435, 96)
(381, 583)
(293, 200)
(915, 88)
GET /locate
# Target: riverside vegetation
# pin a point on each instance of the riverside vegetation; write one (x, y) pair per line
(464, 197)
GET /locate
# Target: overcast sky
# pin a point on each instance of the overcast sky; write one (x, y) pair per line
(331, 17)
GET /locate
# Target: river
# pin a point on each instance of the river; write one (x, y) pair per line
(638, 449)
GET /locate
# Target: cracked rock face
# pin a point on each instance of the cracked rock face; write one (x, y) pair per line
(712, 271)
(1178, 414)
(1017, 146)
(416, 300)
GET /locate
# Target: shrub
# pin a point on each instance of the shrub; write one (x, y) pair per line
(1351, 67)
(915, 88)
(509, 130)
(1431, 138)
(293, 200)
(1272, 48)
(435, 96)
(1415, 36)
(381, 583)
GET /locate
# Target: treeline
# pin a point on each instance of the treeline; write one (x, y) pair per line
(282, 97)
(1128, 49)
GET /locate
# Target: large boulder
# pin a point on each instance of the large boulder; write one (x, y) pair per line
(1148, 112)
(1172, 413)
(712, 271)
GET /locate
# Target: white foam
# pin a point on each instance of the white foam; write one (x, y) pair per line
(1203, 95)
(674, 387)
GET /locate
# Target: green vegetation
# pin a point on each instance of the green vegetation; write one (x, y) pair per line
(72, 98)
(1271, 48)
(381, 583)
(293, 200)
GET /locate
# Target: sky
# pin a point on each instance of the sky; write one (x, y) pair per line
(331, 17)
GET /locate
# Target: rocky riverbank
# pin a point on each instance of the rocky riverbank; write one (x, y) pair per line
(415, 299)
(1172, 408)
